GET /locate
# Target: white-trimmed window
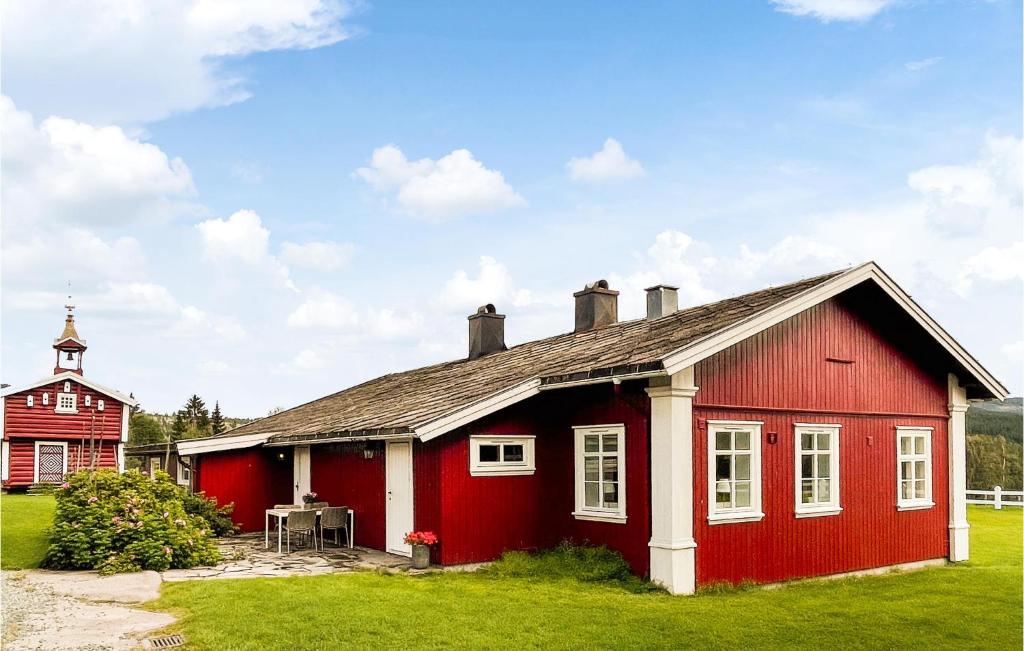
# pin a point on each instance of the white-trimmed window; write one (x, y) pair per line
(501, 455)
(46, 398)
(100, 405)
(914, 467)
(817, 469)
(67, 387)
(184, 474)
(88, 400)
(734, 471)
(600, 473)
(30, 401)
(67, 403)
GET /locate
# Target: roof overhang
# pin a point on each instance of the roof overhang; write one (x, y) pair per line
(869, 271)
(478, 409)
(71, 375)
(220, 443)
(290, 440)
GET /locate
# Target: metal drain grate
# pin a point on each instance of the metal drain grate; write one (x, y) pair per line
(165, 641)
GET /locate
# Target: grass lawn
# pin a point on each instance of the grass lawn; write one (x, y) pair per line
(974, 605)
(24, 520)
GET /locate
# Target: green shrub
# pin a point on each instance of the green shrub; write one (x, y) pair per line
(126, 522)
(218, 517)
(584, 563)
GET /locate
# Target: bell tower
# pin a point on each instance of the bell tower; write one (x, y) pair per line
(69, 346)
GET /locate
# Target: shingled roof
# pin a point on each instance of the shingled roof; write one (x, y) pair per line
(399, 403)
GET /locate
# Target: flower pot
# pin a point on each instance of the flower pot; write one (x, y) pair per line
(420, 557)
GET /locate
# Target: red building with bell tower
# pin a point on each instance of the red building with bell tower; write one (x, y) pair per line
(63, 422)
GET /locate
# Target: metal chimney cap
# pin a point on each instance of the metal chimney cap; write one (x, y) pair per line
(661, 286)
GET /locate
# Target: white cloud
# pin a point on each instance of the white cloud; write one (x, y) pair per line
(72, 171)
(1014, 351)
(493, 284)
(83, 254)
(921, 64)
(247, 173)
(242, 238)
(324, 310)
(215, 368)
(321, 256)
(609, 164)
(993, 263)
(452, 186)
(829, 10)
(194, 322)
(132, 61)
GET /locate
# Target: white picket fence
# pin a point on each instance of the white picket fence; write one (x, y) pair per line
(997, 497)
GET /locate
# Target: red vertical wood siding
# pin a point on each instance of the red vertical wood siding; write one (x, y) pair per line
(340, 474)
(478, 518)
(23, 458)
(42, 422)
(781, 377)
(253, 479)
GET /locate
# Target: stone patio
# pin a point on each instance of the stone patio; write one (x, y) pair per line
(245, 557)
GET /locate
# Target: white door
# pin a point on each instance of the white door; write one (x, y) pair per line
(300, 473)
(398, 471)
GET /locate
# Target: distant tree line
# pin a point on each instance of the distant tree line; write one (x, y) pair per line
(995, 456)
(193, 420)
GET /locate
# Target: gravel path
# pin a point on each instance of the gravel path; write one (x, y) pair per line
(38, 617)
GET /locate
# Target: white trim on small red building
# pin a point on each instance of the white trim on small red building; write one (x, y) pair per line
(35, 459)
(75, 377)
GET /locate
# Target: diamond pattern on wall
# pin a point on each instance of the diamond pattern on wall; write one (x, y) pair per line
(51, 463)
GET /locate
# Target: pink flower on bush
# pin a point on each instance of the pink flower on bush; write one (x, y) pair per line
(167, 550)
(166, 514)
(421, 538)
(93, 499)
(116, 519)
(65, 485)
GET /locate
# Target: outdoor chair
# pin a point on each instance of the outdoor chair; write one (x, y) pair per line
(317, 505)
(302, 523)
(277, 523)
(334, 518)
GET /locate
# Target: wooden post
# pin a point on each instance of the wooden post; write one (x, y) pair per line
(998, 490)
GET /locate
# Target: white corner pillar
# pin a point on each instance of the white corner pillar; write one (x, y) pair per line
(959, 540)
(958, 527)
(673, 555)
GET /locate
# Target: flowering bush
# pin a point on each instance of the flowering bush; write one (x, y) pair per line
(309, 498)
(421, 538)
(126, 522)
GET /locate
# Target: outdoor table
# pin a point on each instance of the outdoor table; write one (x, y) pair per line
(282, 515)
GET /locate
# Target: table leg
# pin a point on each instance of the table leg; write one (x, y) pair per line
(280, 526)
(266, 531)
(351, 529)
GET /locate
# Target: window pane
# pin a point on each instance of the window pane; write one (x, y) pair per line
(906, 489)
(488, 453)
(742, 466)
(611, 495)
(807, 466)
(742, 440)
(742, 494)
(592, 443)
(919, 489)
(806, 441)
(905, 444)
(823, 465)
(722, 441)
(610, 442)
(824, 492)
(591, 469)
(611, 469)
(590, 493)
(722, 497)
(905, 469)
(919, 470)
(722, 469)
(918, 445)
(513, 452)
(824, 438)
(807, 491)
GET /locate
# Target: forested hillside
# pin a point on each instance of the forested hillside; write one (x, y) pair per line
(994, 452)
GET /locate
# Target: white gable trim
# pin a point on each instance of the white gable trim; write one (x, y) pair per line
(722, 339)
(478, 410)
(75, 377)
(219, 443)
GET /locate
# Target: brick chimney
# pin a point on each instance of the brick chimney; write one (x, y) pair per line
(662, 300)
(486, 332)
(596, 306)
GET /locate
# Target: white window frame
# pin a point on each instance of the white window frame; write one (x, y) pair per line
(753, 513)
(60, 409)
(46, 398)
(154, 461)
(88, 400)
(815, 509)
(916, 503)
(501, 467)
(184, 473)
(100, 405)
(592, 513)
(67, 387)
(35, 463)
(30, 400)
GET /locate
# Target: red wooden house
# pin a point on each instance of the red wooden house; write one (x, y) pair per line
(63, 422)
(809, 429)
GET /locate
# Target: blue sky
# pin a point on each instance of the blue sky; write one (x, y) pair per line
(264, 203)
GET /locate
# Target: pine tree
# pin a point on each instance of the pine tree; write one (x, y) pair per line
(197, 415)
(180, 426)
(217, 420)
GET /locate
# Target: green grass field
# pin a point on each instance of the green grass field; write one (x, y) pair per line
(974, 605)
(24, 520)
